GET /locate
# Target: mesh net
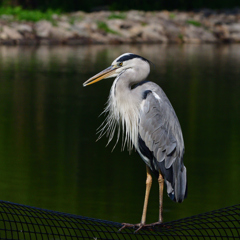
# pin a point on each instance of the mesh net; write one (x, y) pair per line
(24, 222)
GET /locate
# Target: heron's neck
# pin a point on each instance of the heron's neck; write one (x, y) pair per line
(122, 86)
(124, 107)
(121, 93)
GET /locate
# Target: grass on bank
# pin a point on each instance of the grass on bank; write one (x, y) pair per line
(103, 26)
(194, 23)
(18, 13)
(117, 16)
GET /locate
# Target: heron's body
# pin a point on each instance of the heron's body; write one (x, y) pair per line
(149, 123)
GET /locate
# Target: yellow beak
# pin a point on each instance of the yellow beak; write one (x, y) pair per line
(108, 72)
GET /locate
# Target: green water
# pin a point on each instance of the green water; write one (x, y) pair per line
(48, 154)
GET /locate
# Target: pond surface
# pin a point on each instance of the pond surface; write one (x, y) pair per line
(48, 154)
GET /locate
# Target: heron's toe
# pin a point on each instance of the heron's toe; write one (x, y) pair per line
(126, 225)
(129, 225)
(140, 226)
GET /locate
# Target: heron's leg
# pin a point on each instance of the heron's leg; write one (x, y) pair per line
(148, 188)
(144, 214)
(161, 184)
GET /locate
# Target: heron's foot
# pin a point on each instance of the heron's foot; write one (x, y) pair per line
(140, 226)
(151, 226)
(136, 226)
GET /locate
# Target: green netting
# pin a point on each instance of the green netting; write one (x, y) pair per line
(24, 222)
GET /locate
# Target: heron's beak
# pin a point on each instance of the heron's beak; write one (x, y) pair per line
(108, 72)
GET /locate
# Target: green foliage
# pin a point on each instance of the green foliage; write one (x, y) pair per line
(103, 26)
(172, 15)
(117, 16)
(180, 36)
(194, 23)
(28, 15)
(71, 20)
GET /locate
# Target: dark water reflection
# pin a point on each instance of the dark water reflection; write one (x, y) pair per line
(48, 153)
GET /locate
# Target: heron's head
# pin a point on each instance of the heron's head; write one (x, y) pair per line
(140, 68)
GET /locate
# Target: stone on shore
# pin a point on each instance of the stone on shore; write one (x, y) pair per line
(116, 27)
(193, 34)
(43, 28)
(10, 33)
(60, 33)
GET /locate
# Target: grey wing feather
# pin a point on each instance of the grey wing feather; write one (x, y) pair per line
(160, 130)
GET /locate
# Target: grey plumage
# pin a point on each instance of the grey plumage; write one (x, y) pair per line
(148, 122)
(160, 130)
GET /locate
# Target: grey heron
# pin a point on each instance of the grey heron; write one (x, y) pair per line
(150, 125)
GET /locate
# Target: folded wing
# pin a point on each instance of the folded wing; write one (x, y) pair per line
(161, 142)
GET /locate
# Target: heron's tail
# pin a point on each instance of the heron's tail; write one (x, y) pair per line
(177, 190)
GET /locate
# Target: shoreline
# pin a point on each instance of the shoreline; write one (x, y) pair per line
(106, 27)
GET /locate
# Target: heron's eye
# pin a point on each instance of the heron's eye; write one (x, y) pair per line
(120, 64)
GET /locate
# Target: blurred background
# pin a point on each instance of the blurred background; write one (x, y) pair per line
(49, 157)
(75, 5)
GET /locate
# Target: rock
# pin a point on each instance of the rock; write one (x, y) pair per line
(163, 15)
(7, 17)
(122, 27)
(55, 16)
(43, 28)
(116, 39)
(64, 25)
(173, 32)
(118, 24)
(154, 33)
(98, 38)
(85, 26)
(207, 36)
(135, 15)
(11, 33)
(234, 28)
(235, 37)
(78, 14)
(63, 18)
(80, 33)
(60, 33)
(193, 34)
(136, 31)
(27, 33)
(24, 28)
(102, 15)
(221, 31)
(179, 16)
(3, 36)
(132, 27)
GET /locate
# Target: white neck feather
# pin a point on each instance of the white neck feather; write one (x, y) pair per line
(123, 112)
(122, 107)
